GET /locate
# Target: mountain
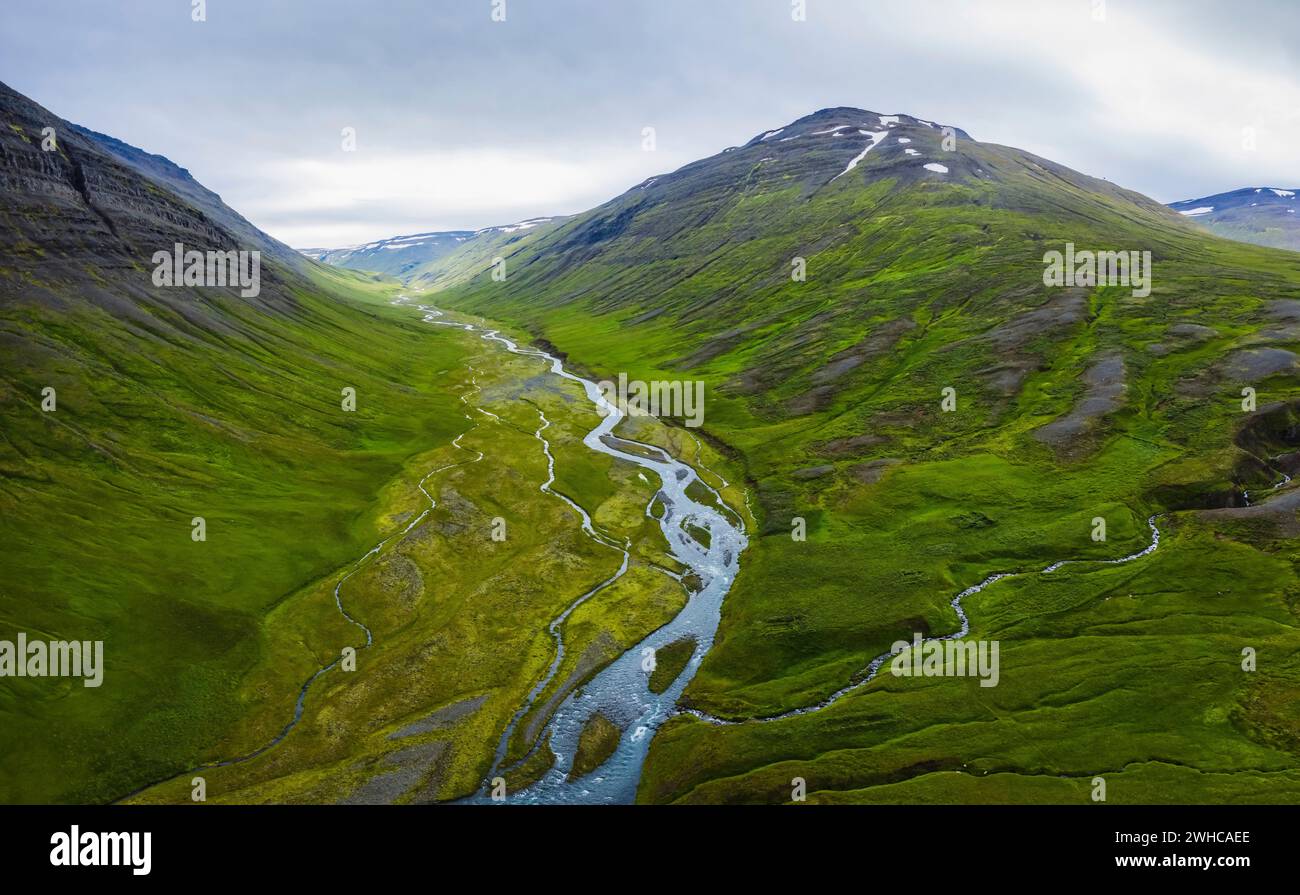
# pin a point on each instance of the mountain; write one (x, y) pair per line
(412, 257)
(171, 404)
(811, 170)
(888, 221)
(1264, 216)
(927, 277)
(396, 256)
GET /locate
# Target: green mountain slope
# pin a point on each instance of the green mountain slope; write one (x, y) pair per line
(174, 404)
(1072, 404)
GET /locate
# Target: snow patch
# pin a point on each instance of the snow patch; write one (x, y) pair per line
(407, 241)
(512, 228)
(875, 141)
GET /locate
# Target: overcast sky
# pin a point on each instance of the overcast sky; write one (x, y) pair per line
(463, 122)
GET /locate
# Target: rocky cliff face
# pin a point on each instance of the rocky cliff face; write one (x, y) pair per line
(84, 215)
(166, 173)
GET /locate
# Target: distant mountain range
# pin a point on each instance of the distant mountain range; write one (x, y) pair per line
(1266, 216)
(419, 257)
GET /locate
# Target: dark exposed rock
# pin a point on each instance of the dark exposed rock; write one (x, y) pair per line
(1105, 385)
(849, 446)
(87, 217)
(873, 470)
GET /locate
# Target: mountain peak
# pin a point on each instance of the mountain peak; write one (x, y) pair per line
(841, 120)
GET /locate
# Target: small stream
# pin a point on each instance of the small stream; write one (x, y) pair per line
(956, 602)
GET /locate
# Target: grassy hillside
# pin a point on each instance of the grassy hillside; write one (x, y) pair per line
(1072, 404)
(244, 430)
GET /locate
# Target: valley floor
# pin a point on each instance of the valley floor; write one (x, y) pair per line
(460, 597)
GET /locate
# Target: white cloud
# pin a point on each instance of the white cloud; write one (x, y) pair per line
(464, 123)
(372, 194)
